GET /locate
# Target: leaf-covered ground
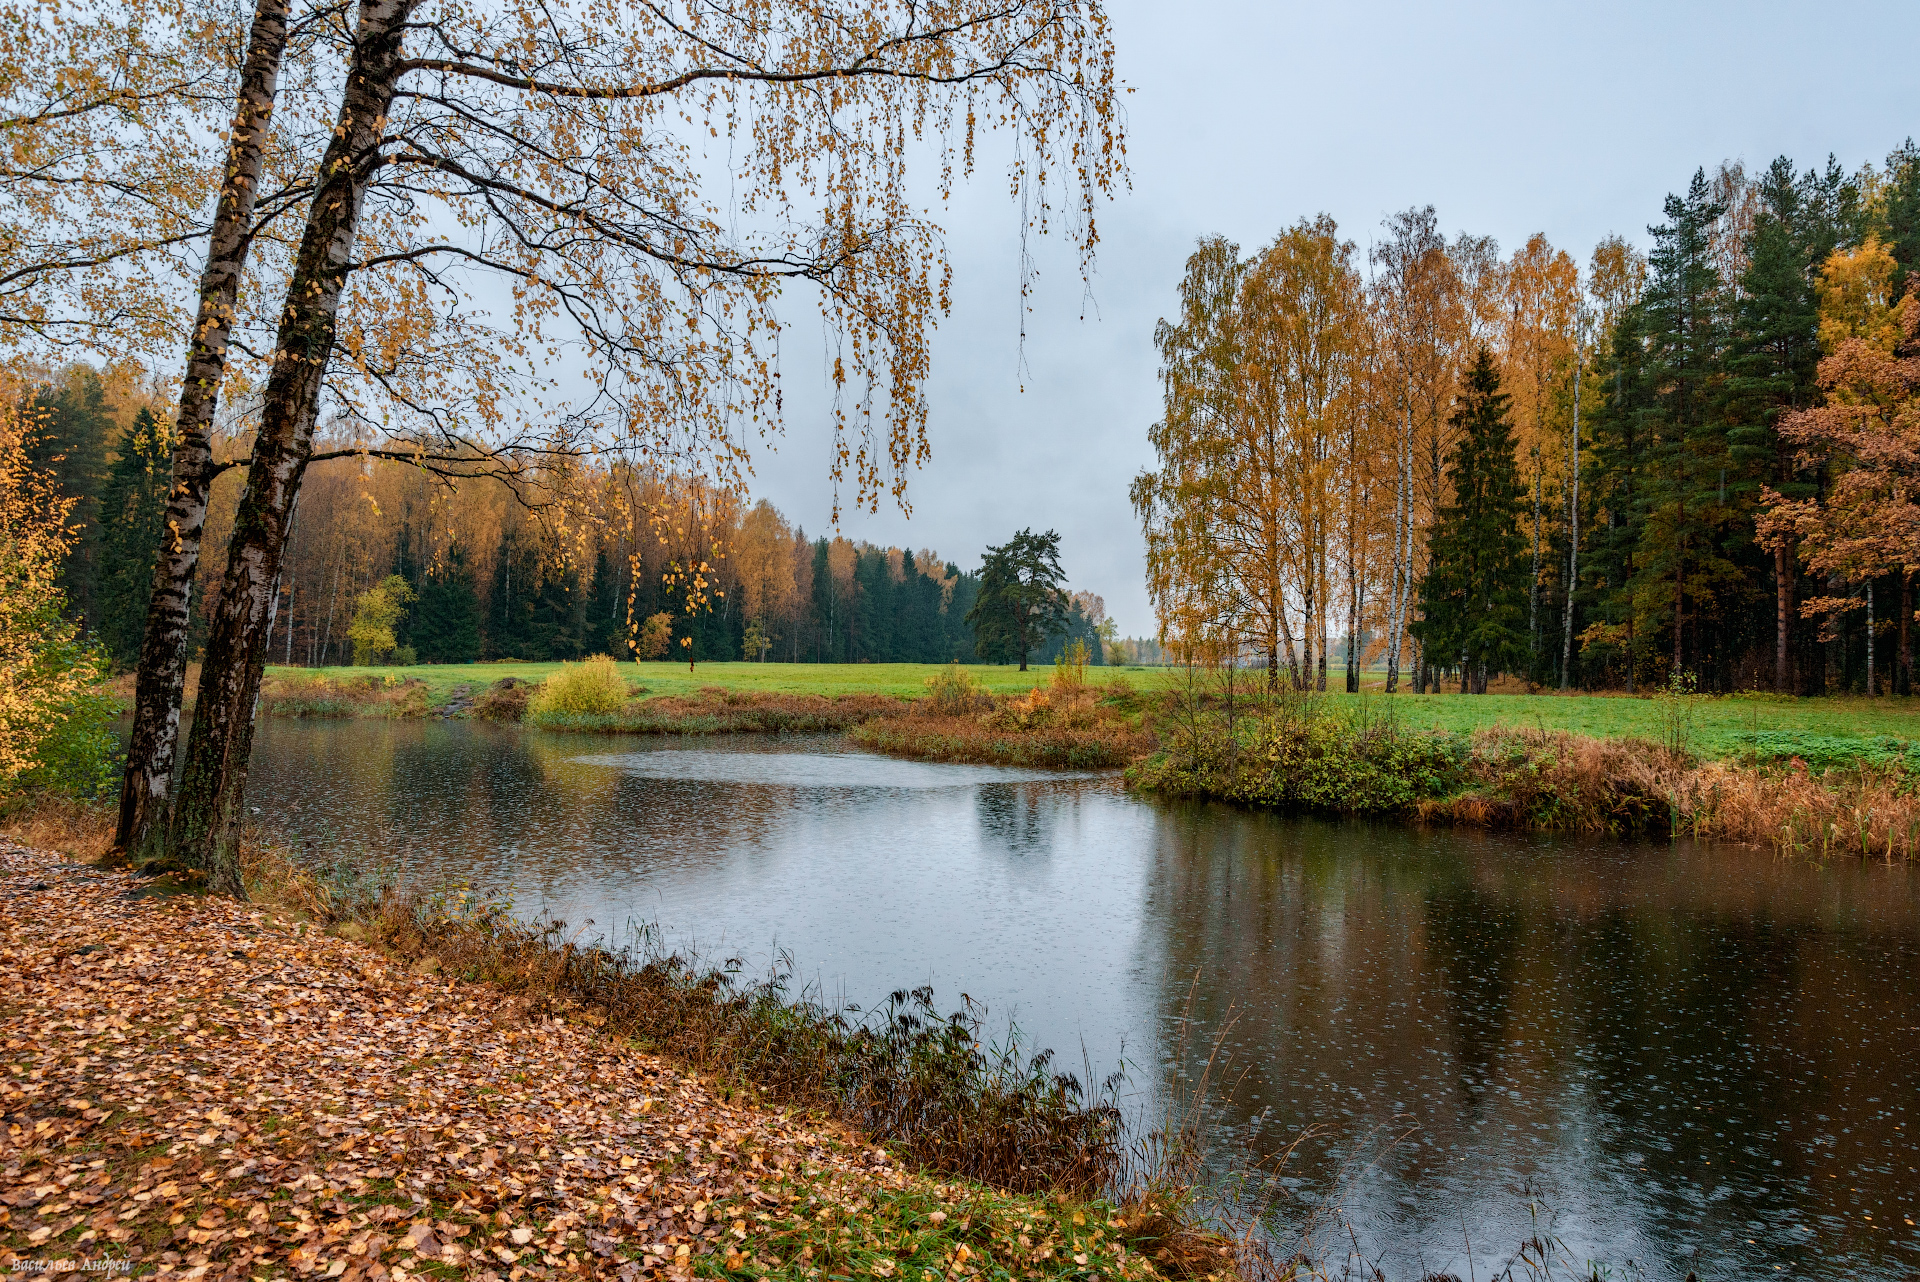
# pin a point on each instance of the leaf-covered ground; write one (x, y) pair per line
(196, 1089)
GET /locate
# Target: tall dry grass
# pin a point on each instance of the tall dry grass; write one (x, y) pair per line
(299, 694)
(1559, 781)
(49, 821)
(1068, 724)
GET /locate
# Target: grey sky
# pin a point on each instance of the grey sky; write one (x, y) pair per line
(1573, 120)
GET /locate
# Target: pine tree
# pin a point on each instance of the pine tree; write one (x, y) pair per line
(133, 514)
(1020, 604)
(1773, 358)
(1474, 595)
(1680, 559)
(1619, 490)
(1902, 213)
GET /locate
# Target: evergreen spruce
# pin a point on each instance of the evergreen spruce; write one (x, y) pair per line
(1474, 595)
(133, 515)
(445, 622)
(71, 441)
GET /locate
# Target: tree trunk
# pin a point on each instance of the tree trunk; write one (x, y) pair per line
(161, 680)
(1782, 618)
(207, 813)
(1533, 590)
(1871, 692)
(1679, 600)
(1903, 677)
(1573, 538)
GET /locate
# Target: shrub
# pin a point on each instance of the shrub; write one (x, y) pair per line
(504, 700)
(47, 674)
(656, 635)
(404, 657)
(1070, 667)
(79, 754)
(1348, 761)
(377, 612)
(953, 690)
(587, 689)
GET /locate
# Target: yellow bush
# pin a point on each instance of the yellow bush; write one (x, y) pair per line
(953, 690)
(592, 687)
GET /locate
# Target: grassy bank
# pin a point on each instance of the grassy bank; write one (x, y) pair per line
(1065, 723)
(1722, 724)
(205, 1088)
(1799, 792)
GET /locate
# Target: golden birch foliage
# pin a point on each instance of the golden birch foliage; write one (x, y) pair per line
(104, 175)
(1542, 301)
(762, 563)
(1616, 276)
(1188, 577)
(1856, 298)
(1302, 314)
(1261, 376)
(42, 666)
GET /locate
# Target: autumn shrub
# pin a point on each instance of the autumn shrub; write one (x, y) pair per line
(592, 688)
(1347, 760)
(53, 703)
(504, 700)
(931, 1084)
(954, 690)
(1098, 743)
(720, 711)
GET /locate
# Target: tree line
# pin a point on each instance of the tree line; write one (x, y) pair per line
(486, 577)
(1689, 463)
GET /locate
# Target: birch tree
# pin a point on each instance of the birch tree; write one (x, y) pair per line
(547, 153)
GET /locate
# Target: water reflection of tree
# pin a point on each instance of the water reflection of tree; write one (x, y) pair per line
(1580, 997)
(1016, 816)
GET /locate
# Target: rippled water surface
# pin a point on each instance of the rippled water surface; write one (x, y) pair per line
(1693, 1057)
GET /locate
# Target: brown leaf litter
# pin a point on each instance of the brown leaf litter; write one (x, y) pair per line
(197, 1089)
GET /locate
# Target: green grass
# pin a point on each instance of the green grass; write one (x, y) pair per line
(1719, 723)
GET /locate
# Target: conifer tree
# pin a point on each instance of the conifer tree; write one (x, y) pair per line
(133, 513)
(445, 626)
(1687, 445)
(1473, 597)
(1021, 603)
(70, 443)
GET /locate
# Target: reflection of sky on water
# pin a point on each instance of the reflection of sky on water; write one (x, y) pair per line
(1698, 1057)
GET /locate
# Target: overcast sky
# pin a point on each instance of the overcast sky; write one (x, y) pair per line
(1573, 120)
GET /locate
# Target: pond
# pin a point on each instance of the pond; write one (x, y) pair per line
(1676, 1055)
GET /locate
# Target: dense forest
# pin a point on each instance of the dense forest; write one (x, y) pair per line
(1692, 463)
(493, 577)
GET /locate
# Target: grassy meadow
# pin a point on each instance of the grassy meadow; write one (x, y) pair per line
(1718, 723)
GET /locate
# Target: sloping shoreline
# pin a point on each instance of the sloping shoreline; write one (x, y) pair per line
(202, 1088)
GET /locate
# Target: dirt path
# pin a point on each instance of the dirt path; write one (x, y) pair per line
(195, 1089)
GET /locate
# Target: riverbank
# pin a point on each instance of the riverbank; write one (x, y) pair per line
(1803, 794)
(1720, 725)
(206, 1088)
